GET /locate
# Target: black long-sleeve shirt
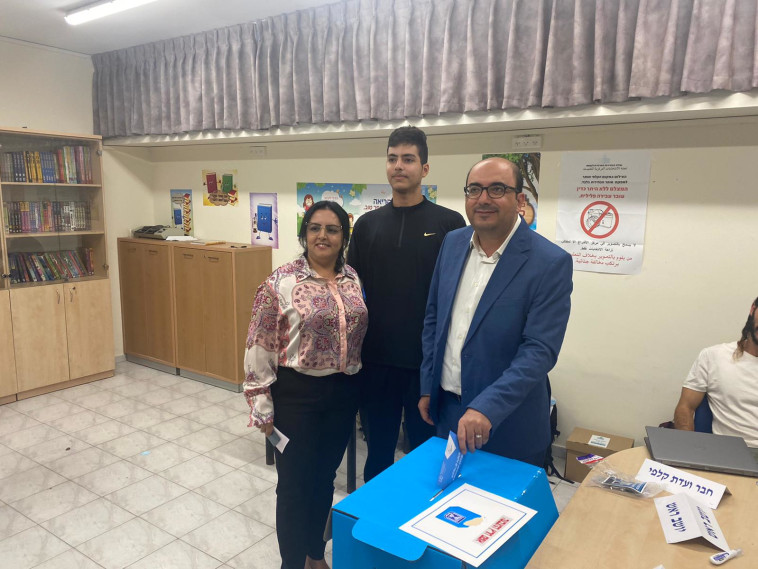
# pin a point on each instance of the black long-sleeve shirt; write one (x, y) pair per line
(394, 250)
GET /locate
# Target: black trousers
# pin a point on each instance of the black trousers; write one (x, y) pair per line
(386, 392)
(317, 414)
(450, 412)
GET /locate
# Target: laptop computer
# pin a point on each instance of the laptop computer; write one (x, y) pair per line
(701, 451)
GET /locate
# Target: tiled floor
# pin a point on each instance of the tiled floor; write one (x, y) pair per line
(142, 470)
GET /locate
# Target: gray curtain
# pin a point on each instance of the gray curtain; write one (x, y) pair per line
(360, 60)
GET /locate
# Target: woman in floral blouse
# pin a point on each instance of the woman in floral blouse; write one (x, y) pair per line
(303, 350)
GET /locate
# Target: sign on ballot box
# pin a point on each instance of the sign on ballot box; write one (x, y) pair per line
(684, 518)
(469, 523)
(680, 482)
(366, 525)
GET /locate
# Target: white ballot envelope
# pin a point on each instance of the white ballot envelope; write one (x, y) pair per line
(278, 439)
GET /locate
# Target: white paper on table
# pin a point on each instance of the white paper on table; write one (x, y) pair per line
(181, 238)
(679, 482)
(683, 517)
(278, 439)
(469, 524)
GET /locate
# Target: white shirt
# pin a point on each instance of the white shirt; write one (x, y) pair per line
(476, 274)
(732, 388)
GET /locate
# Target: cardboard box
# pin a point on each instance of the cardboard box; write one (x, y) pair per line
(585, 441)
(365, 525)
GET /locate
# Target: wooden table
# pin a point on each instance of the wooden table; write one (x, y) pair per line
(600, 528)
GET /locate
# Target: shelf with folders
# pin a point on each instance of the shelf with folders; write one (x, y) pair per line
(51, 208)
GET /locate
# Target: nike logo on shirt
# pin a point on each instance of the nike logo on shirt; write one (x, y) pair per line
(429, 234)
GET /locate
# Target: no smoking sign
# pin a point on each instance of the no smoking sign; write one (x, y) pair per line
(599, 220)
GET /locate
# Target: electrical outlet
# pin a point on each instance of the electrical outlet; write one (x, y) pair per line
(527, 142)
(258, 151)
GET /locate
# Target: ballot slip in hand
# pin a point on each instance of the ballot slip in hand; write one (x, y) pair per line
(451, 463)
(278, 439)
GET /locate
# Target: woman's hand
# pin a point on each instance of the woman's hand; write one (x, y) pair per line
(266, 429)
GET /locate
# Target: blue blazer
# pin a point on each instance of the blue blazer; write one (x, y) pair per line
(514, 339)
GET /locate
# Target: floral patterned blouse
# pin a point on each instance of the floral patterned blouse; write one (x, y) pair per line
(302, 321)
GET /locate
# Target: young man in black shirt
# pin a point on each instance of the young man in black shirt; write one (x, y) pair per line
(394, 250)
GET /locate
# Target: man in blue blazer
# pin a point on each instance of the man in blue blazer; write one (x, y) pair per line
(496, 315)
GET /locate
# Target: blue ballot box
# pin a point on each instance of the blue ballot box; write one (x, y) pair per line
(365, 525)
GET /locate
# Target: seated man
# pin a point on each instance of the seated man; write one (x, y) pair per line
(728, 373)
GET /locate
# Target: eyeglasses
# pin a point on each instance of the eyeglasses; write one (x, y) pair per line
(493, 191)
(315, 228)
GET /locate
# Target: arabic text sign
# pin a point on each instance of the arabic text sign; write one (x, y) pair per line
(602, 208)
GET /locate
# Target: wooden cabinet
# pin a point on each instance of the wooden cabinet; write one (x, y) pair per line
(62, 332)
(215, 287)
(205, 312)
(89, 327)
(147, 301)
(209, 296)
(39, 336)
(54, 265)
(8, 385)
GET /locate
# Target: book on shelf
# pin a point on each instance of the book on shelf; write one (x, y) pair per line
(68, 164)
(51, 266)
(47, 216)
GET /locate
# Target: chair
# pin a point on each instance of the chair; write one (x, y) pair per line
(704, 417)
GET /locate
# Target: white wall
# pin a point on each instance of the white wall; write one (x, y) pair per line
(127, 180)
(44, 88)
(631, 339)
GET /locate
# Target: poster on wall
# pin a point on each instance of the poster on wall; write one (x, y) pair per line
(529, 164)
(264, 220)
(181, 210)
(356, 199)
(220, 188)
(602, 208)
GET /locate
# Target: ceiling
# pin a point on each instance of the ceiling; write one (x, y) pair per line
(41, 21)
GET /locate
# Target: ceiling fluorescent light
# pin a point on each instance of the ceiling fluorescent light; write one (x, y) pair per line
(101, 9)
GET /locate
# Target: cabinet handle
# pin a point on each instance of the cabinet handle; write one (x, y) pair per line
(214, 259)
(188, 255)
(57, 292)
(153, 251)
(132, 249)
(71, 294)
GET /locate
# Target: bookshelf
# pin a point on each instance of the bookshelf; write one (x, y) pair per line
(53, 260)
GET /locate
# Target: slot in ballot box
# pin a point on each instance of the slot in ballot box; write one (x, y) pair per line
(365, 525)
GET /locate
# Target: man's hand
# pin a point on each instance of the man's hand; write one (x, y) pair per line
(266, 429)
(423, 408)
(473, 430)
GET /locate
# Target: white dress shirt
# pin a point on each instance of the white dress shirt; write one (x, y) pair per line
(476, 274)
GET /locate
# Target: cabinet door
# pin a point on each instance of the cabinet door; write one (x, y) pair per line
(133, 312)
(89, 326)
(158, 303)
(218, 315)
(188, 276)
(39, 336)
(7, 358)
